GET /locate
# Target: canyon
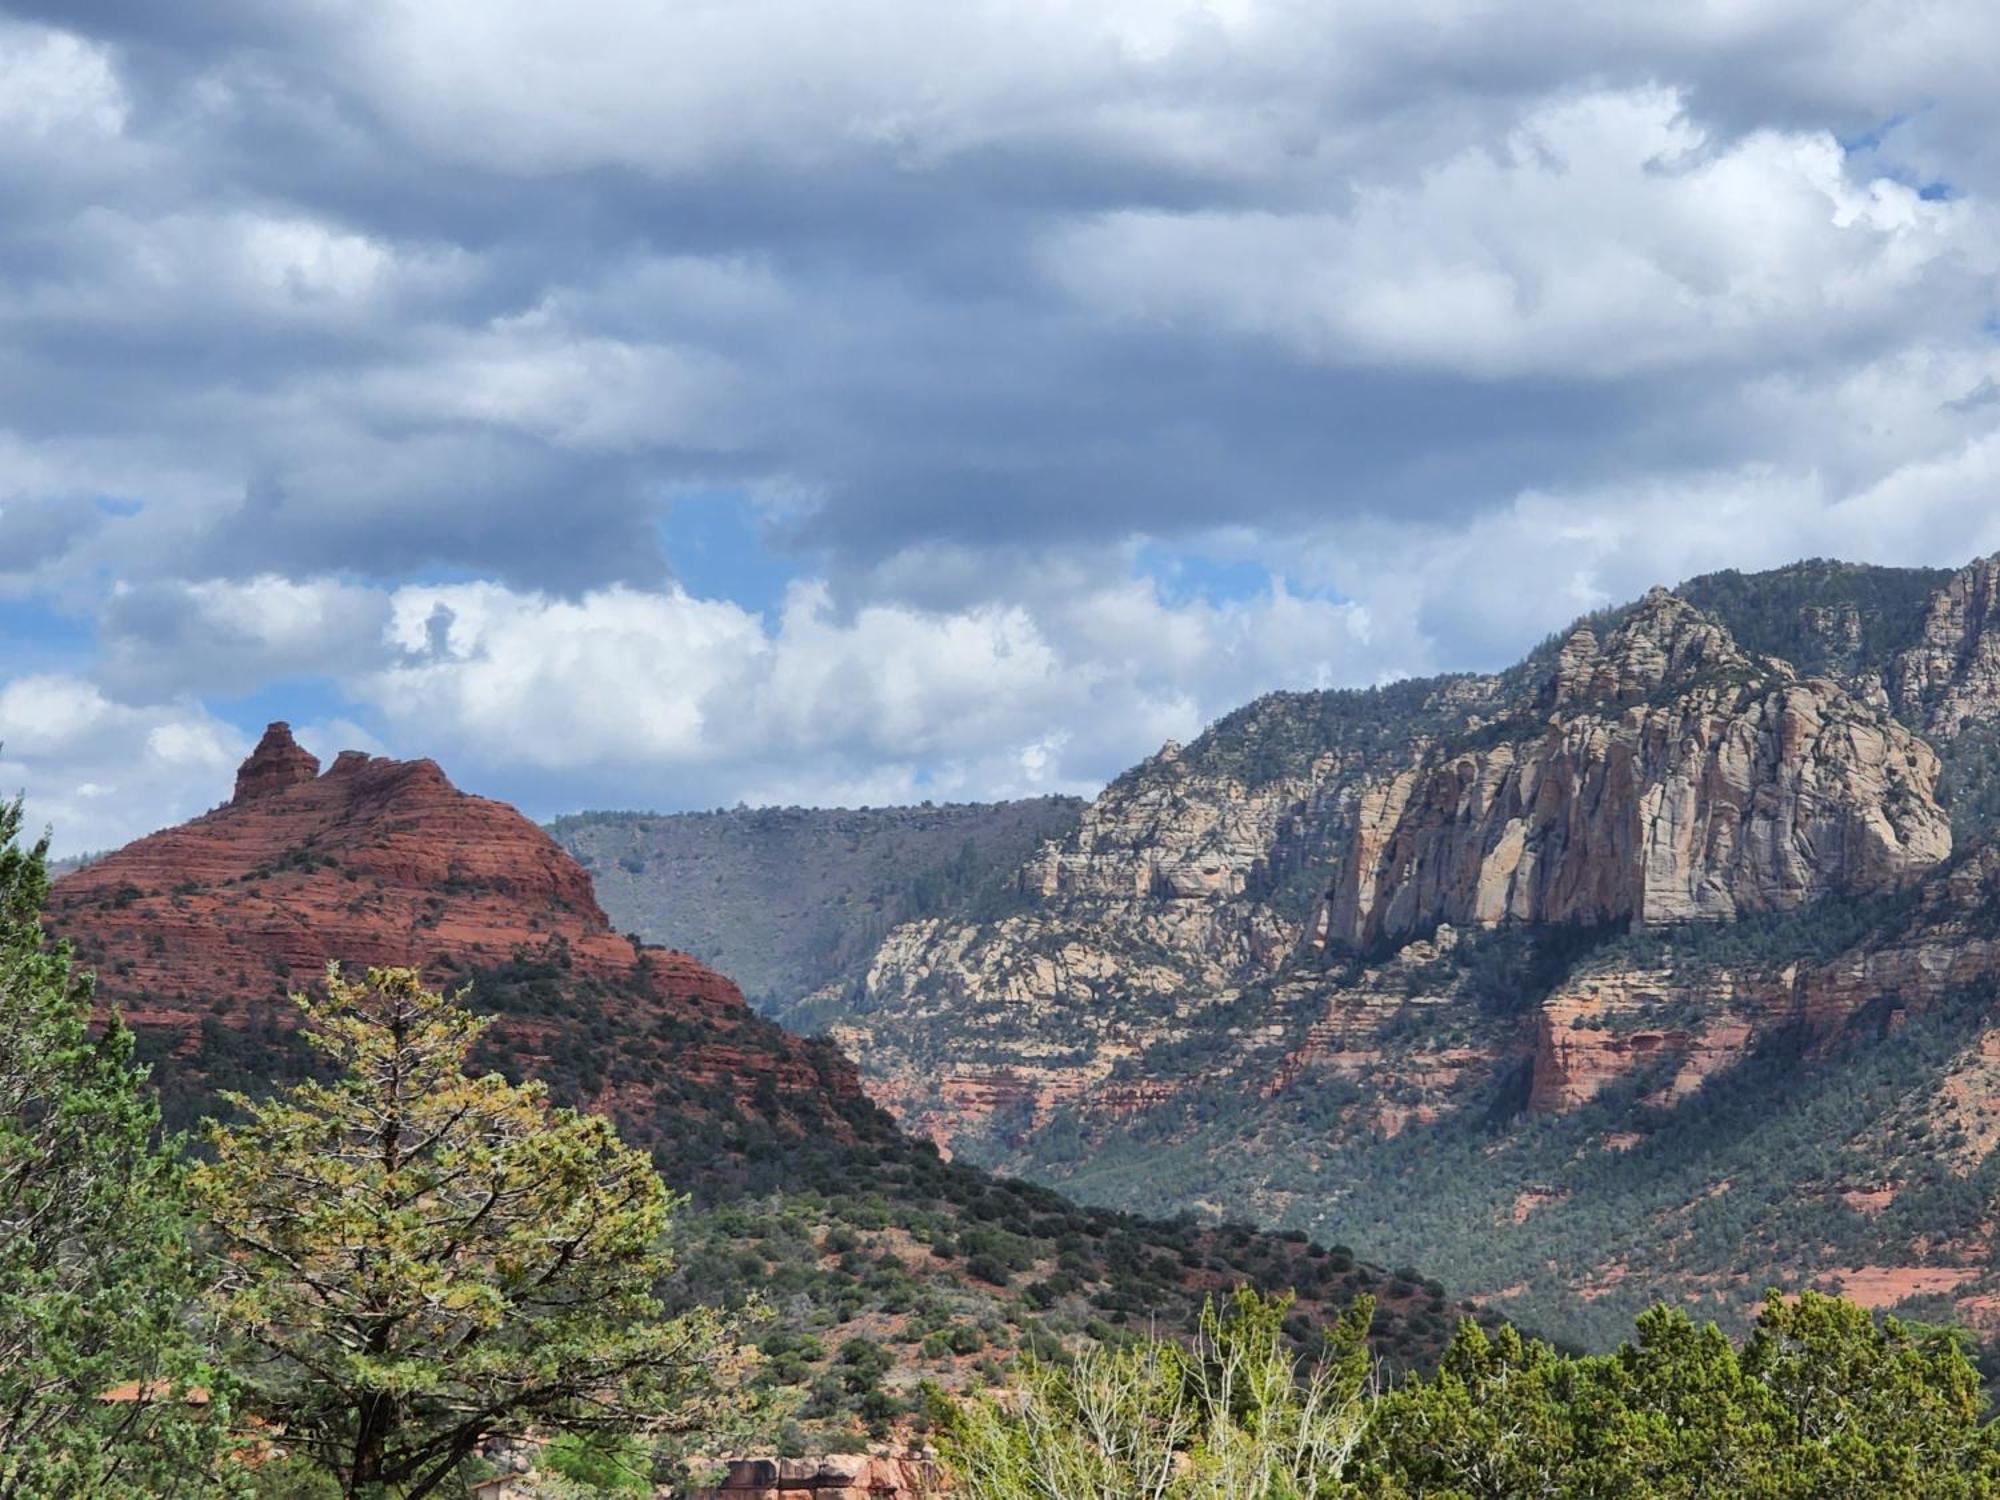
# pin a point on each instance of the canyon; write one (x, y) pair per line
(802, 1192)
(1658, 962)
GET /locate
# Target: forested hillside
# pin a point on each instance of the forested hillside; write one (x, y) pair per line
(879, 1264)
(793, 901)
(1663, 960)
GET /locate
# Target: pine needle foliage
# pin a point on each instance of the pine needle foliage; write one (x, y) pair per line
(1823, 1402)
(96, 1277)
(422, 1259)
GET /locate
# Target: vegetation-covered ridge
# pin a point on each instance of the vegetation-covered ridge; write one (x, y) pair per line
(1660, 963)
(874, 1258)
(393, 1275)
(793, 901)
(1821, 615)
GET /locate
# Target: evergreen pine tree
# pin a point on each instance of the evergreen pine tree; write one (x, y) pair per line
(103, 1390)
(423, 1259)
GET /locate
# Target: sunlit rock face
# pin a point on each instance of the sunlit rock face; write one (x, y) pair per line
(1950, 678)
(1664, 775)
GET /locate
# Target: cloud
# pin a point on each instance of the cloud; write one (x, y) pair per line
(788, 81)
(377, 355)
(1458, 592)
(164, 639)
(571, 389)
(1605, 237)
(403, 274)
(1221, 90)
(1986, 393)
(100, 772)
(669, 696)
(58, 84)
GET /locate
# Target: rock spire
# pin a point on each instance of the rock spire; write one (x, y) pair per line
(278, 761)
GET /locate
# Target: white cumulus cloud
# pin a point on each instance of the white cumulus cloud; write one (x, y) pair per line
(98, 772)
(1606, 235)
(662, 692)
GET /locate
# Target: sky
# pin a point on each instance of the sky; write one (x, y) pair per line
(669, 405)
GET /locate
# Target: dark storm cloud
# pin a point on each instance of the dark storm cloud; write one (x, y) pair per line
(919, 374)
(34, 533)
(376, 341)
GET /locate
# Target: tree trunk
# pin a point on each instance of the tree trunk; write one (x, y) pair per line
(371, 1445)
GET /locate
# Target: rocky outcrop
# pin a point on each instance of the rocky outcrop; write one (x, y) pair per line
(1666, 642)
(838, 1476)
(1187, 879)
(1363, 967)
(1611, 1026)
(276, 763)
(1410, 1045)
(1951, 677)
(995, 1027)
(1686, 1026)
(1170, 832)
(199, 931)
(376, 862)
(1649, 769)
(1673, 777)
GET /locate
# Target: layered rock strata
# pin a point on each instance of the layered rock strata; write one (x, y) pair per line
(1674, 777)
(384, 862)
(1950, 677)
(1188, 879)
(1604, 1026)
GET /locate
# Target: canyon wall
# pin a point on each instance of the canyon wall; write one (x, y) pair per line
(1665, 776)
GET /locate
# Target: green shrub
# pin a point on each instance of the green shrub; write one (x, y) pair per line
(606, 1465)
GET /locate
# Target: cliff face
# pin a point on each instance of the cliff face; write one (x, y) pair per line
(1605, 1025)
(1673, 777)
(279, 761)
(1173, 833)
(1950, 677)
(1192, 876)
(1648, 964)
(198, 931)
(1659, 773)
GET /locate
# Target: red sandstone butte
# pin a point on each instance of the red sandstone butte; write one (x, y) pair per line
(385, 862)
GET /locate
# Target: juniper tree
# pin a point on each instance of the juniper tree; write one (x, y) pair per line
(96, 1276)
(1822, 1403)
(423, 1259)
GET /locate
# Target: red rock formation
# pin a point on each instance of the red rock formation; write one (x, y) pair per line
(276, 763)
(1665, 776)
(384, 862)
(1602, 1026)
(835, 1477)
